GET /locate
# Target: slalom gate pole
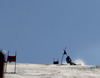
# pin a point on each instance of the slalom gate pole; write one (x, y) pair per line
(62, 58)
(63, 55)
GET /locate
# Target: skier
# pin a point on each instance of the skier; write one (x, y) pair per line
(68, 60)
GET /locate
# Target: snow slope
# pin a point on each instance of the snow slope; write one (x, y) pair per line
(52, 71)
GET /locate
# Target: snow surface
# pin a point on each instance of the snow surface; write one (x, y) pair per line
(25, 70)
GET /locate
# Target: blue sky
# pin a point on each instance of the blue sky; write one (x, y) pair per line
(39, 30)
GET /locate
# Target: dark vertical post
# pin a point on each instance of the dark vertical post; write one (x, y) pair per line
(1, 65)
